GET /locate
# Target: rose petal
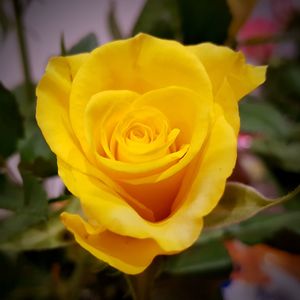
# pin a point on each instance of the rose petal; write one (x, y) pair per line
(102, 115)
(52, 114)
(230, 76)
(192, 118)
(79, 183)
(127, 254)
(205, 181)
(202, 189)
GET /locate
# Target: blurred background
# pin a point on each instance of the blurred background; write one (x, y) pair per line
(46, 21)
(255, 259)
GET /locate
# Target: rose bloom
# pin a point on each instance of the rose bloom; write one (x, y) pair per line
(145, 134)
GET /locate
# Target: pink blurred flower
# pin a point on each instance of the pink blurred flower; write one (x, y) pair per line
(258, 28)
(245, 141)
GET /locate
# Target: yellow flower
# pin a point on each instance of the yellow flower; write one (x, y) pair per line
(145, 133)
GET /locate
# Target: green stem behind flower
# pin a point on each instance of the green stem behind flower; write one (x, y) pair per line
(141, 285)
(23, 50)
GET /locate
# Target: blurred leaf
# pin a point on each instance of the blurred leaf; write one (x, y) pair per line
(11, 196)
(282, 88)
(208, 254)
(113, 25)
(200, 258)
(258, 229)
(204, 20)
(291, 79)
(35, 198)
(240, 202)
(295, 204)
(86, 44)
(11, 127)
(45, 235)
(280, 153)
(33, 210)
(159, 18)
(278, 139)
(63, 50)
(27, 109)
(263, 118)
(36, 155)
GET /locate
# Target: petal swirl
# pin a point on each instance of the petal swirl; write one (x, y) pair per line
(147, 63)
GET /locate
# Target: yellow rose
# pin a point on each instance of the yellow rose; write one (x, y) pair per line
(145, 133)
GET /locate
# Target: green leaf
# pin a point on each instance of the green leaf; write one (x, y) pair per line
(204, 20)
(112, 23)
(11, 195)
(200, 258)
(190, 21)
(63, 51)
(11, 126)
(263, 118)
(27, 108)
(44, 235)
(240, 202)
(33, 210)
(208, 254)
(280, 153)
(282, 87)
(86, 44)
(262, 227)
(35, 198)
(36, 155)
(159, 18)
(278, 140)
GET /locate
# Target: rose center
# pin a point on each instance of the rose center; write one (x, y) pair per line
(143, 135)
(140, 133)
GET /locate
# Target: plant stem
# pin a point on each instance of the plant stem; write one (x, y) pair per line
(76, 281)
(23, 49)
(141, 285)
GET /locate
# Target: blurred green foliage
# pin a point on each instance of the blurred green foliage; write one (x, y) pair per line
(160, 18)
(189, 21)
(36, 255)
(11, 126)
(29, 207)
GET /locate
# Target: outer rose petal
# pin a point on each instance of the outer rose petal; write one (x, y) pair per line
(205, 181)
(127, 254)
(230, 76)
(202, 190)
(53, 94)
(223, 63)
(52, 112)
